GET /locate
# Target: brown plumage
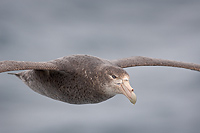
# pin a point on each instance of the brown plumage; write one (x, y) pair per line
(83, 79)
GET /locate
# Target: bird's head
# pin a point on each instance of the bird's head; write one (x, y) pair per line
(117, 82)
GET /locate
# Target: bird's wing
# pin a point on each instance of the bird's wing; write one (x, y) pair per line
(25, 65)
(146, 61)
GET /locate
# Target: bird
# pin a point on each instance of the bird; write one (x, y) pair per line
(84, 79)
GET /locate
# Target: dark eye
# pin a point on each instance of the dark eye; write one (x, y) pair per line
(114, 77)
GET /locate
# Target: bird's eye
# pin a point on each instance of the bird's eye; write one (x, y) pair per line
(114, 77)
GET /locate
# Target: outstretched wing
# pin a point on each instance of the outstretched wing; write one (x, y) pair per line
(25, 65)
(146, 61)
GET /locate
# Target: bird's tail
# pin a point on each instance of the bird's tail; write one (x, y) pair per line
(16, 74)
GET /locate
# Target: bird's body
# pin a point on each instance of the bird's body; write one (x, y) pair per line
(83, 79)
(78, 83)
(65, 86)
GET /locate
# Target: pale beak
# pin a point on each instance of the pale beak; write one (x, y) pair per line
(127, 90)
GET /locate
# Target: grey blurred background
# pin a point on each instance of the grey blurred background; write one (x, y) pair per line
(39, 30)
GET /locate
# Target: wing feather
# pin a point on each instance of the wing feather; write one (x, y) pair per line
(146, 61)
(25, 65)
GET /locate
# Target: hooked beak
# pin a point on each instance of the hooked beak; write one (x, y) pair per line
(127, 90)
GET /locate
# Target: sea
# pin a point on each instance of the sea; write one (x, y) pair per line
(168, 99)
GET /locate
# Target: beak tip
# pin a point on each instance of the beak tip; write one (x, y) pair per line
(133, 98)
(133, 102)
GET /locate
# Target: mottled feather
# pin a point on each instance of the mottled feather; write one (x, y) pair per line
(83, 79)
